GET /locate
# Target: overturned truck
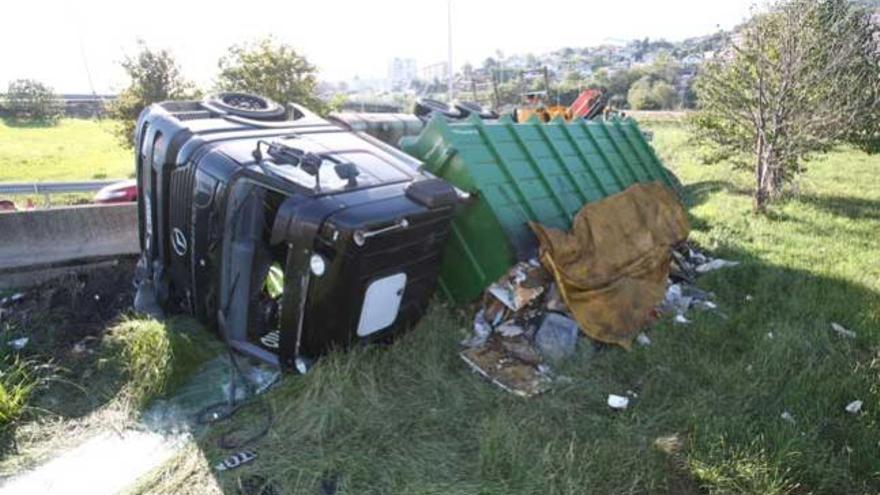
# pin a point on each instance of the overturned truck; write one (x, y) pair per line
(288, 234)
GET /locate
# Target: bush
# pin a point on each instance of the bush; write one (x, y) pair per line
(155, 76)
(272, 69)
(32, 100)
(17, 382)
(157, 357)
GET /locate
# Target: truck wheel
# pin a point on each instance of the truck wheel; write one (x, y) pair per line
(245, 105)
(426, 106)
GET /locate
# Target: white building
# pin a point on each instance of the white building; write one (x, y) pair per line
(401, 72)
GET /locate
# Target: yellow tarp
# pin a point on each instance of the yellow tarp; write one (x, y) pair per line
(612, 267)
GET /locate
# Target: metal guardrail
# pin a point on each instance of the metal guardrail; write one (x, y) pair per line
(53, 187)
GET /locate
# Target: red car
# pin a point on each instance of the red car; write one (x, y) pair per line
(124, 191)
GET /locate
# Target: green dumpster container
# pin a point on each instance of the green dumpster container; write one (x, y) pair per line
(521, 172)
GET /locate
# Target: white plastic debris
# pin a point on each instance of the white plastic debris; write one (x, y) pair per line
(787, 416)
(482, 329)
(715, 264)
(643, 339)
(18, 344)
(680, 319)
(509, 330)
(770, 335)
(675, 301)
(706, 305)
(854, 407)
(618, 402)
(97, 297)
(749, 297)
(842, 331)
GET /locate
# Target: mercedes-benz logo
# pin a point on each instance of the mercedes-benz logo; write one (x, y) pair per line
(178, 241)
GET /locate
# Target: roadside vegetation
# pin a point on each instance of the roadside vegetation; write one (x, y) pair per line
(749, 399)
(84, 364)
(72, 149)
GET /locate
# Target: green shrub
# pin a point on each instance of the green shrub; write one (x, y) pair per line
(156, 357)
(17, 382)
(32, 100)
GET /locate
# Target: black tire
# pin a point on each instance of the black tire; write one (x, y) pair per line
(245, 105)
(469, 107)
(426, 106)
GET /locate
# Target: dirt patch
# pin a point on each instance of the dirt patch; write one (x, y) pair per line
(57, 315)
(65, 322)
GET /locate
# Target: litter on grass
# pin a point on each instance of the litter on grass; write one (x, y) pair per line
(854, 407)
(618, 402)
(522, 285)
(18, 344)
(625, 262)
(843, 331)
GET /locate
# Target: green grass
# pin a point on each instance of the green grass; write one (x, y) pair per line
(155, 358)
(411, 418)
(74, 149)
(18, 380)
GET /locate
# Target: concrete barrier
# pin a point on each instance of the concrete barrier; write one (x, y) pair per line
(46, 240)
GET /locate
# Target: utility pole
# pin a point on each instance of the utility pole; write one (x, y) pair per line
(449, 32)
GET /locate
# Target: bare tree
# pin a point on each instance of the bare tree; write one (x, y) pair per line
(796, 80)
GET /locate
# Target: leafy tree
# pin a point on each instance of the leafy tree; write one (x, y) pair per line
(800, 78)
(273, 69)
(154, 76)
(617, 83)
(639, 95)
(32, 100)
(664, 95)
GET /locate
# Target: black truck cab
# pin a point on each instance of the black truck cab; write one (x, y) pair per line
(288, 234)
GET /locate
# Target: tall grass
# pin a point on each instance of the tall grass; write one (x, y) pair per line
(18, 380)
(155, 357)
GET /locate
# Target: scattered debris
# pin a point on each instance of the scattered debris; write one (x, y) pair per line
(854, 407)
(18, 296)
(618, 402)
(715, 264)
(482, 330)
(554, 300)
(235, 460)
(770, 335)
(523, 283)
(749, 297)
(524, 324)
(509, 330)
(787, 417)
(557, 336)
(18, 344)
(842, 331)
(511, 373)
(669, 444)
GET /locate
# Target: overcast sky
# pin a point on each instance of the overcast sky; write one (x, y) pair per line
(54, 41)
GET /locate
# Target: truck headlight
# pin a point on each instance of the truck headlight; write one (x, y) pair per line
(317, 265)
